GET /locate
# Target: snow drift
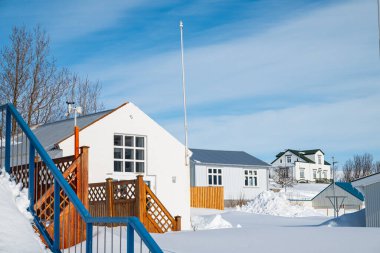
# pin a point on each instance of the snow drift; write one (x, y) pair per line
(272, 203)
(209, 222)
(16, 232)
(356, 219)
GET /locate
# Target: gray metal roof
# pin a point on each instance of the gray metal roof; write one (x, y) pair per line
(225, 157)
(51, 133)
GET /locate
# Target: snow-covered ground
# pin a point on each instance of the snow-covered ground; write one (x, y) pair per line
(301, 191)
(270, 223)
(16, 232)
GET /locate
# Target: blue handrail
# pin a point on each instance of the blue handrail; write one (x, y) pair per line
(133, 224)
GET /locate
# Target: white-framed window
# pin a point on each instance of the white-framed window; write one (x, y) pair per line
(325, 174)
(319, 159)
(280, 160)
(302, 173)
(250, 177)
(314, 174)
(289, 159)
(214, 176)
(129, 153)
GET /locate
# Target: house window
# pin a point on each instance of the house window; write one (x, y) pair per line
(319, 159)
(325, 174)
(288, 158)
(250, 177)
(302, 173)
(280, 160)
(215, 176)
(314, 174)
(129, 153)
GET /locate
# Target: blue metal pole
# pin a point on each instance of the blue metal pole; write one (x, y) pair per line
(8, 131)
(89, 238)
(31, 176)
(130, 239)
(57, 212)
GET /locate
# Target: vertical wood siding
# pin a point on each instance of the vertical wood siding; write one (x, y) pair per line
(207, 197)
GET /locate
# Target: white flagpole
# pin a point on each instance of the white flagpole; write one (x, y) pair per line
(184, 94)
(378, 21)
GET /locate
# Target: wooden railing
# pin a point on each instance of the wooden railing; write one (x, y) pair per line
(75, 171)
(131, 198)
(207, 197)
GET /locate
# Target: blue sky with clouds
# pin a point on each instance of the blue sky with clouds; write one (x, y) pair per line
(262, 76)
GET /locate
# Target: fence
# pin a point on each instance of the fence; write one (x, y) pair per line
(131, 198)
(207, 197)
(56, 200)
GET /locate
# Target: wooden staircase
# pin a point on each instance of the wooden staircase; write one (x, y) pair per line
(131, 198)
(75, 171)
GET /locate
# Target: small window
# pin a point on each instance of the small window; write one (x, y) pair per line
(118, 140)
(288, 158)
(215, 177)
(319, 159)
(250, 177)
(314, 174)
(302, 173)
(325, 174)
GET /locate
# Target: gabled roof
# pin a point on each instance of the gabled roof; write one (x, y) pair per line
(302, 154)
(367, 180)
(53, 133)
(225, 157)
(346, 187)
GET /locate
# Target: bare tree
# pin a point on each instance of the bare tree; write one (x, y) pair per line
(15, 67)
(377, 167)
(348, 171)
(86, 94)
(360, 166)
(30, 79)
(283, 176)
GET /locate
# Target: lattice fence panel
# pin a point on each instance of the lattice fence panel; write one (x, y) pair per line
(124, 190)
(97, 192)
(158, 214)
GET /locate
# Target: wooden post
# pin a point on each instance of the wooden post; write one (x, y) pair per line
(109, 197)
(83, 171)
(76, 142)
(140, 205)
(177, 223)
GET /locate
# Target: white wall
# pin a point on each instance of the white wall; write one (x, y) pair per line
(233, 180)
(164, 157)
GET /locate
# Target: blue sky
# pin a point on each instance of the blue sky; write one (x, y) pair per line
(262, 76)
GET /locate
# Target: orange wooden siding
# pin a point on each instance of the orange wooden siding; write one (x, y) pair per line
(207, 197)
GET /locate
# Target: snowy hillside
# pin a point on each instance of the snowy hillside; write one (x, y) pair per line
(16, 232)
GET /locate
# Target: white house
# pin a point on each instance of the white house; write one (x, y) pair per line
(370, 186)
(306, 165)
(125, 142)
(241, 174)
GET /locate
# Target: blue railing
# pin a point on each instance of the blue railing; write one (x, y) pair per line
(22, 147)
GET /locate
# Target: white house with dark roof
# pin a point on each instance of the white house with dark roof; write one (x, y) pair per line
(306, 165)
(125, 142)
(242, 175)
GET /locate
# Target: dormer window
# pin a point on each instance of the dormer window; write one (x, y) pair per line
(319, 159)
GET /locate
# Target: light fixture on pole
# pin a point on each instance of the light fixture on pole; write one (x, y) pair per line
(184, 94)
(71, 108)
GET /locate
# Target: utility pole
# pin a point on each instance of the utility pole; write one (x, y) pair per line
(184, 95)
(336, 210)
(378, 21)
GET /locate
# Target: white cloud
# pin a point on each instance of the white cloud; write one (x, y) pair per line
(330, 52)
(340, 128)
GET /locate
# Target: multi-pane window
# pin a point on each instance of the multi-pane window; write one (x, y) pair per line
(302, 173)
(129, 153)
(314, 174)
(288, 158)
(325, 174)
(215, 176)
(319, 159)
(250, 177)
